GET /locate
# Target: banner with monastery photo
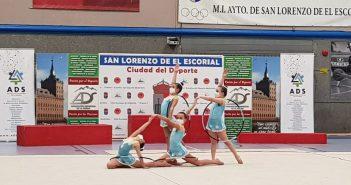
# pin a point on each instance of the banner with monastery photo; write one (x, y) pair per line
(51, 88)
(266, 94)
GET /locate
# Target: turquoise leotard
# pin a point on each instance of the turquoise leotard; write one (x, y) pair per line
(176, 148)
(216, 119)
(166, 103)
(123, 154)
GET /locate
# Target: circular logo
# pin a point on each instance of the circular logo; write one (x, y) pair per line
(140, 95)
(117, 111)
(206, 81)
(185, 95)
(117, 80)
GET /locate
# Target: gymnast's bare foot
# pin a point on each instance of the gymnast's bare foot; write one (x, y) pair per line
(240, 161)
(219, 162)
(173, 162)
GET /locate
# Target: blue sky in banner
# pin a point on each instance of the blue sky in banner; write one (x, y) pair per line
(44, 65)
(43, 61)
(259, 65)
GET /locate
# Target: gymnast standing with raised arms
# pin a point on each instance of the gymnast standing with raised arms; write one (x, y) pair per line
(169, 103)
(216, 125)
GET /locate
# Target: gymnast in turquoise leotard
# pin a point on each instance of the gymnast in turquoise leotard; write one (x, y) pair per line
(123, 154)
(169, 103)
(216, 119)
(135, 141)
(216, 125)
(177, 148)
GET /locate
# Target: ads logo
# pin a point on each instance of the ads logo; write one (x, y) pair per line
(297, 79)
(85, 95)
(16, 77)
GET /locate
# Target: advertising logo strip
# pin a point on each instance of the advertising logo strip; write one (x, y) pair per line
(83, 87)
(239, 84)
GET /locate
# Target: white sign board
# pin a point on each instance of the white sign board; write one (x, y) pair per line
(135, 84)
(297, 114)
(17, 100)
(266, 12)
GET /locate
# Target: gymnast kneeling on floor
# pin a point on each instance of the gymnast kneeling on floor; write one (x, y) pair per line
(135, 141)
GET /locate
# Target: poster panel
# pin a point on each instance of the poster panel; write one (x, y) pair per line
(340, 61)
(83, 87)
(51, 88)
(17, 106)
(266, 94)
(136, 84)
(239, 84)
(297, 115)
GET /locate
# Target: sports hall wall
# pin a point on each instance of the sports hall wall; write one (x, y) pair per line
(330, 114)
(153, 13)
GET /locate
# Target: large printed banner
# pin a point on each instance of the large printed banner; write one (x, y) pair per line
(136, 84)
(266, 94)
(239, 83)
(83, 88)
(297, 115)
(266, 12)
(121, 5)
(16, 92)
(51, 88)
(340, 61)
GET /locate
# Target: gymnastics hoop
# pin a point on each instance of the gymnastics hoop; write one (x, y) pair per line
(153, 160)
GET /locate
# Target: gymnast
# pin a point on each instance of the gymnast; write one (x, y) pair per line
(216, 126)
(135, 141)
(176, 148)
